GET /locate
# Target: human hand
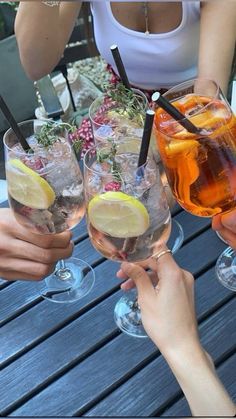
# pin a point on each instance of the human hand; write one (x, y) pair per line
(168, 314)
(26, 255)
(225, 224)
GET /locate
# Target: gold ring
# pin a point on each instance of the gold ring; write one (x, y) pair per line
(163, 252)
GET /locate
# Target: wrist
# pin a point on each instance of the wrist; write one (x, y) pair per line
(186, 356)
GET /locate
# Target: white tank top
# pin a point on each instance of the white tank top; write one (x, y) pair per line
(155, 60)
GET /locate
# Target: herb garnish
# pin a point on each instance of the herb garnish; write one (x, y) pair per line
(105, 155)
(131, 104)
(50, 133)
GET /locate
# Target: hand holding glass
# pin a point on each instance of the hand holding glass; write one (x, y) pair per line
(45, 189)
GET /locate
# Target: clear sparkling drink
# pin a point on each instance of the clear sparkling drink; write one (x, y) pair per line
(119, 114)
(128, 216)
(45, 187)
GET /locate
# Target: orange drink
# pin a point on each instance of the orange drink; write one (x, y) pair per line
(201, 168)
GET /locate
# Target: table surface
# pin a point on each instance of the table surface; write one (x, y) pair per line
(70, 359)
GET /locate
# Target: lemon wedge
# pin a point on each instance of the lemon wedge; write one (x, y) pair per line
(27, 187)
(118, 214)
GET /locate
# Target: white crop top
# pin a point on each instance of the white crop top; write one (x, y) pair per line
(151, 61)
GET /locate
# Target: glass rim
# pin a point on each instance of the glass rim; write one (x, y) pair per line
(27, 121)
(103, 95)
(190, 82)
(183, 85)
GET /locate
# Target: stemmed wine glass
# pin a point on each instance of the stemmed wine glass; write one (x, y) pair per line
(118, 116)
(46, 195)
(128, 217)
(201, 165)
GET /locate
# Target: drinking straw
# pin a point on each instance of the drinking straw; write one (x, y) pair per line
(147, 131)
(64, 71)
(120, 66)
(13, 124)
(175, 113)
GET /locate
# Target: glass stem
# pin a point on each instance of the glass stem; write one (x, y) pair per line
(135, 304)
(63, 273)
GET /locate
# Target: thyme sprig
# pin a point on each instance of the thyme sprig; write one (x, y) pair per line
(77, 146)
(109, 155)
(50, 133)
(131, 104)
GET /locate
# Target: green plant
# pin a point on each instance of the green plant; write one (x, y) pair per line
(7, 18)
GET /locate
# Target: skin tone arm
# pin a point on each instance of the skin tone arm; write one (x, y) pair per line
(42, 33)
(41, 45)
(217, 40)
(28, 256)
(176, 336)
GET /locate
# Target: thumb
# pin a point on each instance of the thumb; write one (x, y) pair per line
(140, 277)
(228, 220)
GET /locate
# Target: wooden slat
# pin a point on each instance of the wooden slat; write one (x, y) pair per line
(156, 384)
(194, 256)
(192, 225)
(127, 354)
(85, 251)
(40, 321)
(50, 347)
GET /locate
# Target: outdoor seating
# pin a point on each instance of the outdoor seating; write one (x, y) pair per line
(64, 360)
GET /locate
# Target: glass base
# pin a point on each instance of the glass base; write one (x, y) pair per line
(127, 315)
(76, 281)
(226, 268)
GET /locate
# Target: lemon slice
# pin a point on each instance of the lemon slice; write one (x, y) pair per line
(118, 215)
(27, 187)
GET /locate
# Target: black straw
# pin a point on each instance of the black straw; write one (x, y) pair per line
(175, 113)
(13, 124)
(120, 66)
(147, 131)
(64, 71)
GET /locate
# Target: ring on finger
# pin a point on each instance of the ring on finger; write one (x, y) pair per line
(157, 256)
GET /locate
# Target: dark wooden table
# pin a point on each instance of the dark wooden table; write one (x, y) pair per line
(70, 359)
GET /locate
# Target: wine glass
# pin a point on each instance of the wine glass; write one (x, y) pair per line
(128, 217)
(46, 195)
(118, 115)
(201, 167)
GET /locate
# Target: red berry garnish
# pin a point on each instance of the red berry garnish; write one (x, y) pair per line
(112, 186)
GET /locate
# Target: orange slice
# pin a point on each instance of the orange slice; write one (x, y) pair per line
(180, 146)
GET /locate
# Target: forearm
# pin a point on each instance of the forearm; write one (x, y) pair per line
(42, 33)
(203, 390)
(217, 41)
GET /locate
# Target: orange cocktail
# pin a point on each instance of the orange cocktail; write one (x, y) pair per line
(201, 168)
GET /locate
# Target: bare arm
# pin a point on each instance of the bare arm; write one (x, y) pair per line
(201, 386)
(42, 33)
(168, 316)
(217, 40)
